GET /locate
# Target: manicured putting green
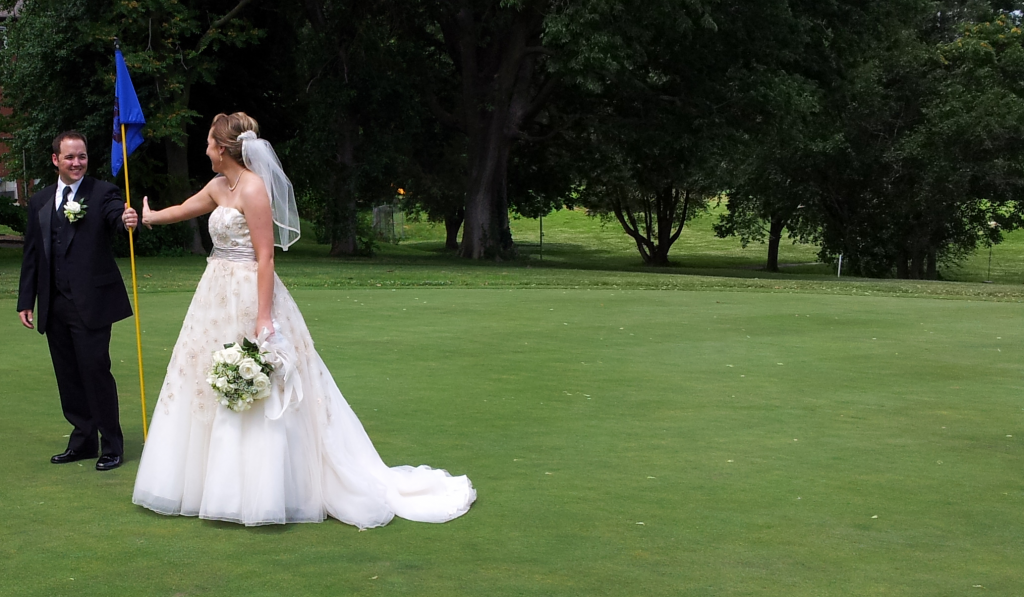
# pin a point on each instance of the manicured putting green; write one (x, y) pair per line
(623, 442)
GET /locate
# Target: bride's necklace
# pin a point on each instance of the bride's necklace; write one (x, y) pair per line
(232, 187)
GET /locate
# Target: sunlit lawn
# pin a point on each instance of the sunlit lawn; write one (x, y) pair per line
(573, 239)
(755, 436)
(630, 431)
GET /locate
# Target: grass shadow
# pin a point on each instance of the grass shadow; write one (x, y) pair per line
(265, 529)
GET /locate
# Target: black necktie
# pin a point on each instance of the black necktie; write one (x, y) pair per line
(63, 202)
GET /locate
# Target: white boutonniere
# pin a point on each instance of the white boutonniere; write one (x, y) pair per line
(75, 210)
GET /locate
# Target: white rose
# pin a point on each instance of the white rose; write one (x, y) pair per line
(261, 383)
(222, 383)
(232, 354)
(248, 368)
(218, 357)
(73, 207)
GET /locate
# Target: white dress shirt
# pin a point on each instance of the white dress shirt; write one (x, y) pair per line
(60, 192)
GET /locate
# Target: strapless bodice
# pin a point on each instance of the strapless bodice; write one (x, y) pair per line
(230, 234)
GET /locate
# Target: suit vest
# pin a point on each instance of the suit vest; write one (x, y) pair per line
(59, 228)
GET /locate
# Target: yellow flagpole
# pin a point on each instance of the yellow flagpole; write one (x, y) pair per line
(135, 283)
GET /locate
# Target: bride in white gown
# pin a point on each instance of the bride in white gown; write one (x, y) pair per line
(300, 454)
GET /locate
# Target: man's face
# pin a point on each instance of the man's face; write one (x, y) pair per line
(73, 161)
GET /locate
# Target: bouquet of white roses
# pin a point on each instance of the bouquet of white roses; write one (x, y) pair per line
(240, 375)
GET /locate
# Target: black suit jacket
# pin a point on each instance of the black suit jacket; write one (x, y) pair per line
(96, 285)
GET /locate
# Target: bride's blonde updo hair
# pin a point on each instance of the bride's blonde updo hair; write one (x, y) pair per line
(226, 129)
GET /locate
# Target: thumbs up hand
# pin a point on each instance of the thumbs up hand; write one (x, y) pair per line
(147, 214)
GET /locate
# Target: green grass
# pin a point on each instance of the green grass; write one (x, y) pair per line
(754, 435)
(755, 424)
(576, 241)
(582, 252)
(573, 238)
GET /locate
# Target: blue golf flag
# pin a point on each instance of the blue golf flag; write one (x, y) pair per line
(127, 111)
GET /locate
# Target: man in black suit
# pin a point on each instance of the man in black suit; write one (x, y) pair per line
(69, 269)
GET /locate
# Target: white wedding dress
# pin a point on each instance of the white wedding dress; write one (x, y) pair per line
(262, 466)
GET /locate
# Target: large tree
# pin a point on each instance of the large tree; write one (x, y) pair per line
(173, 46)
(786, 123)
(354, 109)
(58, 74)
(687, 87)
(913, 148)
(498, 58)
(967, 154)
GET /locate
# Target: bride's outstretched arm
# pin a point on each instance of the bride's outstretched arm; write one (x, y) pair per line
(196, 205)
(256, 208)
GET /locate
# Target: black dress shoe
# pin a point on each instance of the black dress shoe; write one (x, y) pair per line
(108, 462)
(71, 456)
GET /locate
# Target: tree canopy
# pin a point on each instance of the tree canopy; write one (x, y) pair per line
(890, 133)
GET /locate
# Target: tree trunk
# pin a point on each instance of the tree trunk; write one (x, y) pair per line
(341, 206)
(917, 265)
(775, 229)
(343, 211)
(659, 257)
(345, 243)
(452, 223)
(627, 219)
(932, 271)
(497, 98)
(665, 204)
(902, 269)
(506, 244)
(481, 234)
(655, 230)
(179, 188)
(486, 233)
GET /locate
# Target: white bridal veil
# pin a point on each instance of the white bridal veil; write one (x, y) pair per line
(259, 156)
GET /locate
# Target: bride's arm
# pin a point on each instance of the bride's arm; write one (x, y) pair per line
(196, 205)
(256, 208)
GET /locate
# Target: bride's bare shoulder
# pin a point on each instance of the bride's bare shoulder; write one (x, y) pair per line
(252, 180)
(216, 184)
(252, 187)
